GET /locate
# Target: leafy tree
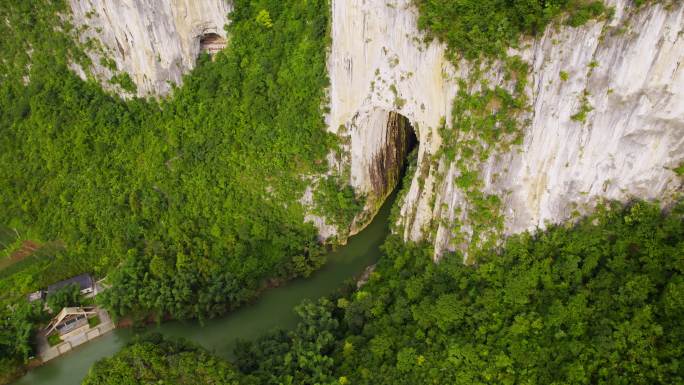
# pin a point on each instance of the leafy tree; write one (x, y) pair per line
(153, 359)
(17, 324)
(69, 295)
(599, 302)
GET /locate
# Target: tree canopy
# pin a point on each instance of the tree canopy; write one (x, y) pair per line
(596, 303)
(599, 302)
(191, 202)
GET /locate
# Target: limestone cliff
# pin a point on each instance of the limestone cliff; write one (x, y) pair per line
(155, 41)
(626, 72)
(629, 68)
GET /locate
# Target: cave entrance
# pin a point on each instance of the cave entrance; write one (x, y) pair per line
(407, 137)
(211, 43)
(390, 162)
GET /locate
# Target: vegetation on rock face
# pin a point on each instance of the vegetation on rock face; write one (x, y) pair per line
(487, 28)
(337, 201)
(194, 199)
(598, 302)
(488, 114)
(679, 170)
(485, 122)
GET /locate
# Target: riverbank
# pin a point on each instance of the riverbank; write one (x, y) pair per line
(273, 309)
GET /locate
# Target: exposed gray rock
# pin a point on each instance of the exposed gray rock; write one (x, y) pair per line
(627, 147)
(155, 41)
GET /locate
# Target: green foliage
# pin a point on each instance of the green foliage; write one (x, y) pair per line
(680, 169)
(155, 360)
(124, 81)
(10, 369)
(108, 63)
(486, 28)
(195, 197)
(65, 297)
(564, 76)
(585, 108)
(399, 102)
(94, 321)
(296, 357)
(337, 200)
(639, 3)
(600, 302)
(54, 340)
(17, 323)
(584, 11)
(264, 18)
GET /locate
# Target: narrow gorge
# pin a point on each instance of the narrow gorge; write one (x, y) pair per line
(381, 67)
(341, 192)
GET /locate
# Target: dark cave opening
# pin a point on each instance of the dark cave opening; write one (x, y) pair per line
(211, 43)
(391, 162)
(409, 140)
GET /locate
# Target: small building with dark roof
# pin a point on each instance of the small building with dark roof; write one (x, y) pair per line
(37, 295)
(84, 281)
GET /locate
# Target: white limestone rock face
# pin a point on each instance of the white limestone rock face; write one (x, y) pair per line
(630, 67)
(379, 64)
(155, 41)
(633, 137)
(627, 147)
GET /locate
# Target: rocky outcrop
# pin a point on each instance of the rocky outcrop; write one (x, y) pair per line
(155, 41)
(627, 71)
(378, 65)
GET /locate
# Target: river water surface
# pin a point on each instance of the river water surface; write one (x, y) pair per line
(273, 309)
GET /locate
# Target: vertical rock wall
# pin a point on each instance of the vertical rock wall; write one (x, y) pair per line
(155, 41)
(629, 68)
(628, 71)
(386, 166)
(388, 137)
(378, 64)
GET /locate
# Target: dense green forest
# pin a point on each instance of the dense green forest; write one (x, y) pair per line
(200, 190)
(155, 360)
(600, 302)
(190, 206)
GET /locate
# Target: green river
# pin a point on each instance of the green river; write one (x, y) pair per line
(273, 309)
